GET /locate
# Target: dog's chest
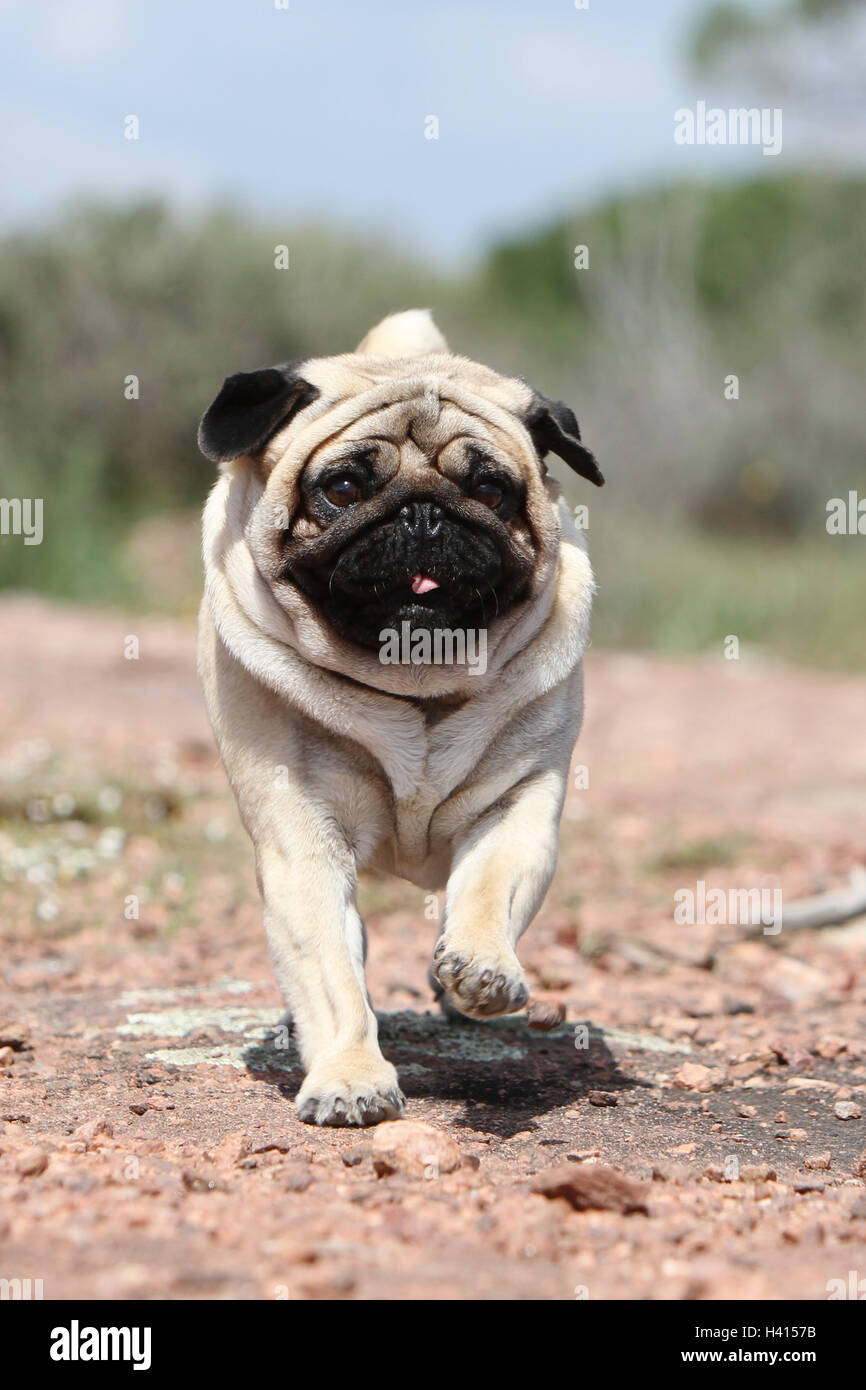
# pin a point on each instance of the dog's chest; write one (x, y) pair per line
(425, 825)
(415, 850)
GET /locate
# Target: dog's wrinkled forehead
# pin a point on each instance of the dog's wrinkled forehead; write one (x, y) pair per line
(416, 434)
(433, 400)
(281, 415)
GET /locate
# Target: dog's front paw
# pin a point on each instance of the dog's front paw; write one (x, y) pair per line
(350, 1089)
(477, 985)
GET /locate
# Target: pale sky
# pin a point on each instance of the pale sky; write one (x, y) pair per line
(318, 110)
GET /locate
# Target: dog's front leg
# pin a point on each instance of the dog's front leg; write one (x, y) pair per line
(500, 874)
(316, 939)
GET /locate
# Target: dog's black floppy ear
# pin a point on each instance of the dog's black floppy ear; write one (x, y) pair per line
(250, 408)
(554, 430)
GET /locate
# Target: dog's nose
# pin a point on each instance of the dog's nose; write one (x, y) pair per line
(423, 520)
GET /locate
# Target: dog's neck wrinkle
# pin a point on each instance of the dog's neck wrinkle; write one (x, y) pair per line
(437, 709)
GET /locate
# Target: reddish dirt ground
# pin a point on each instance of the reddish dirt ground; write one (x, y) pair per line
(149, 1146)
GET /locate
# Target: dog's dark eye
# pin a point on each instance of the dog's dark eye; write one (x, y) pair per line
(343, 491)
(491, 494)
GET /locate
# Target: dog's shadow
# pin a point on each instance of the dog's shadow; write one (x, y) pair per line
(505, 1075)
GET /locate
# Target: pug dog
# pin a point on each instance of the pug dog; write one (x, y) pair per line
(396, 491)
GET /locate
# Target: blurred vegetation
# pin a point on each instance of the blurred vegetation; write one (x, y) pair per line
(713, 521)
(733, 29)
(807, 57)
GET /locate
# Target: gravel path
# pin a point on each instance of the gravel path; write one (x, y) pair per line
(692, 1128)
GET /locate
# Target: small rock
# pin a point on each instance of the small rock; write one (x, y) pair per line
(592, 1187)
(358, 1153)
(792, 1054)
(31, 1162)
(796, 981)
(747, 1112)
(92, 1132)
(746, 1070)
(705, 1005)
(143, 930)
(714, 1173)
(272, 1146)
(678, 1173)
(297, 1177)
(808, 1185)
(733, 1005)
(847, 1110)
(544, 1015)
(7, 1056)
(194, 1182)
(781, 1117)
(414, 1149)
(603, 1098)
(757, 1172)
(236, 1145)
(694, 1076)
(817, 1162)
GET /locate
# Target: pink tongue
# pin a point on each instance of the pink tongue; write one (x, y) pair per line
(422, 584)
